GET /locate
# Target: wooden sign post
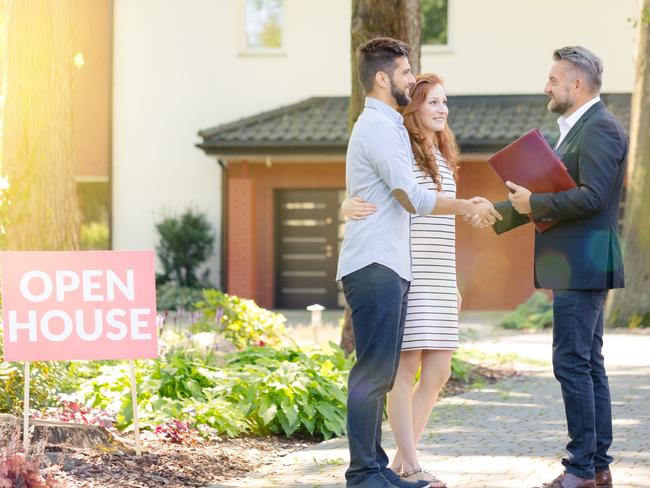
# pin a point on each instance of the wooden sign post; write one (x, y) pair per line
(134, 404)
(26, 411)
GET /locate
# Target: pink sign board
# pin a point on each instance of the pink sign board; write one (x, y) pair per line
(78, 305)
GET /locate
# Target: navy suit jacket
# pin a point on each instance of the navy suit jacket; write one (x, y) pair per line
(582, 250)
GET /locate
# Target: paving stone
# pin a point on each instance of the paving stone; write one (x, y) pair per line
(507, 435)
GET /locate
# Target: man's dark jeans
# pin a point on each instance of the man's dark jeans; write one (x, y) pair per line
(579, 366)
(377, 297)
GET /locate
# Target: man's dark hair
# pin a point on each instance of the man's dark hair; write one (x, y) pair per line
(379, 54)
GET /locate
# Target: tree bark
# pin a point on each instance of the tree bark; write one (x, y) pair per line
(38, 140)
(631, 306)
(401, 20)
(53, 432)
(347, 338)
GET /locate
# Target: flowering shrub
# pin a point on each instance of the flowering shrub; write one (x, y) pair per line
(241, 321)
(77, 413)
(176, 432)
(18, 470)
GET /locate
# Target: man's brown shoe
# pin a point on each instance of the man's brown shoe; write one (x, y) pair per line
(604, 479)
(567, 480)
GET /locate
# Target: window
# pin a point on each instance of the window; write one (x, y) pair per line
(264, 23)
(435, 16)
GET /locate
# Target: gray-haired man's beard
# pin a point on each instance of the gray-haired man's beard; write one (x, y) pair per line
(400, 96)
(557, 107)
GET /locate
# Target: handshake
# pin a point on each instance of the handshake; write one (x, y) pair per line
(480, 213)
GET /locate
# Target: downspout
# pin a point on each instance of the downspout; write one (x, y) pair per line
(223, 274)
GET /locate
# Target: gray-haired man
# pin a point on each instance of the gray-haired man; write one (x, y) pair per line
(580, 257)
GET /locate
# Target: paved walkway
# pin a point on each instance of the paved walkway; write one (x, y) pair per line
(507, 435)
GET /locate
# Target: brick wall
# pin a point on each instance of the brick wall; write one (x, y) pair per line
(254, 246)
(494, 272)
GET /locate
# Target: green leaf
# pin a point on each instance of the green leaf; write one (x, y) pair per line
(327, 411)
(268, 412)
(291, 412)
(309, 423)
(195, 389)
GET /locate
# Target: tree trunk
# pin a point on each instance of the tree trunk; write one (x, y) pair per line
(631, 306)
(401, 20)
(53, 432)
(38, 139)
(347, 338)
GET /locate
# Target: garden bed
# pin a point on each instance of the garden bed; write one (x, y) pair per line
(166, 464)
(203, 463)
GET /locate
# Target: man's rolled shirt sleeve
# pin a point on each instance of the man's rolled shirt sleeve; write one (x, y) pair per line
(599, 163)
(384, 149)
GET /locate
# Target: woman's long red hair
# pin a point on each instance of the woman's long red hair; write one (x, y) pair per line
(444, 139)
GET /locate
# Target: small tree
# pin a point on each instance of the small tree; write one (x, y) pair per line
(185, 244)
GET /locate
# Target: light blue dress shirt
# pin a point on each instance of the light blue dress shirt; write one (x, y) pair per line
(379, 160)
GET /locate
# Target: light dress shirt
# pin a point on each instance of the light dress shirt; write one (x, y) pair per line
(379, 160)
(566, 123)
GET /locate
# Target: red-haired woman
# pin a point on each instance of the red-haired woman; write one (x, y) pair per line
(431, 329)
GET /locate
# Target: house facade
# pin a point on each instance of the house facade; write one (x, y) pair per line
(219, 67)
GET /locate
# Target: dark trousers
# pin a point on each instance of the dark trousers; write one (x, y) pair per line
(579, 366)
(377, 297)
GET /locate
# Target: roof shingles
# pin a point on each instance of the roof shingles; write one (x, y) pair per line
(319, 125)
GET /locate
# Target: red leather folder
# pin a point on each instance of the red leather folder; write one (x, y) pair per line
(530, 162)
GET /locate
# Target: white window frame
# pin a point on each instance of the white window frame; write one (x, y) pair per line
(442, 48)
(245, 51)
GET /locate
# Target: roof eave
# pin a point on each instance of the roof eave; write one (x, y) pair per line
(240, 150)
(265, 149)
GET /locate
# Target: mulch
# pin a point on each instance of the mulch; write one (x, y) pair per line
(164, 464)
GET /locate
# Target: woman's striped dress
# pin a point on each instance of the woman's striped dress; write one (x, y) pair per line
(432, 311)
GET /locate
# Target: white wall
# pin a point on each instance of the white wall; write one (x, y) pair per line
(505, 46)
(178, 68)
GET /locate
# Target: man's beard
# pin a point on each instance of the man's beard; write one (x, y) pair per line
(559, 107)
(400, 96)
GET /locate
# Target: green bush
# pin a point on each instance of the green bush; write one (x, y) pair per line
(185, 244)
(169, 296)
(535, 313)
(212, 415)
(460, 370)
(106, 386)
(258, 391)
(241, 321)
(94, 235)
(45, 381)
(290, 390)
